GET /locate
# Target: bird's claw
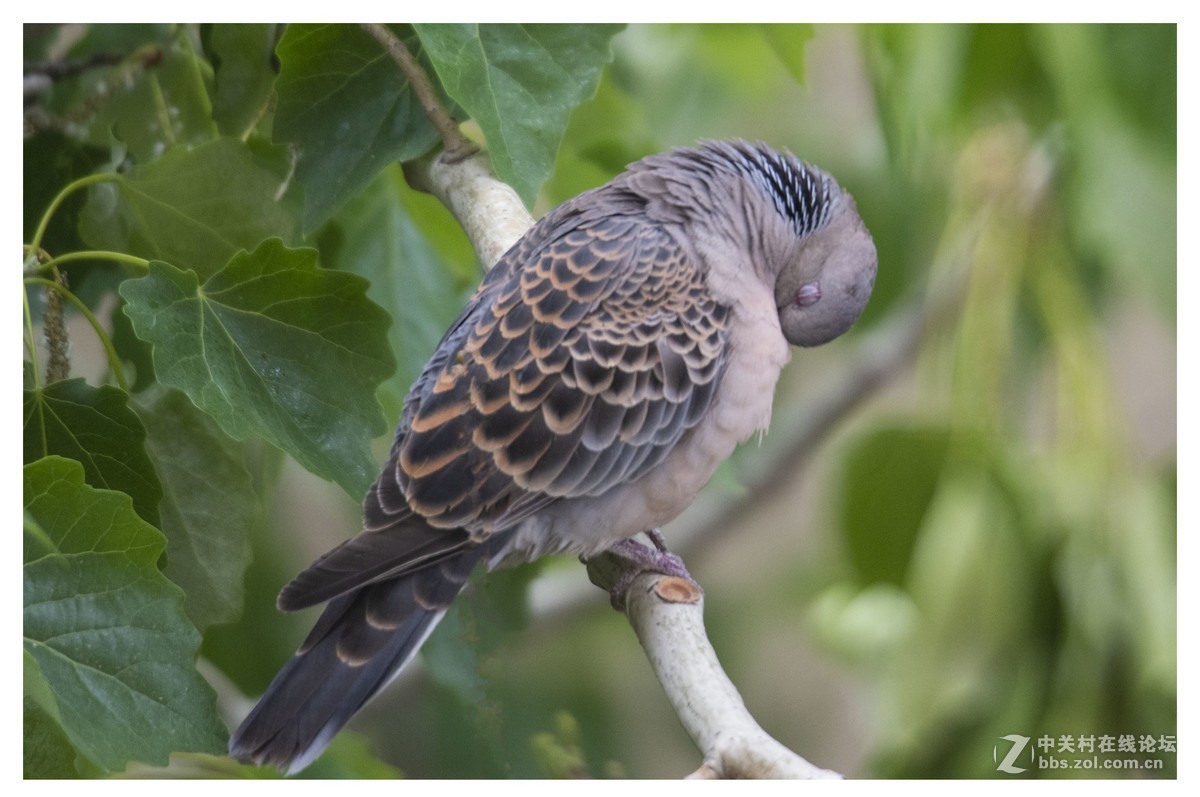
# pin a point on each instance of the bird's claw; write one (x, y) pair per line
(638, 559)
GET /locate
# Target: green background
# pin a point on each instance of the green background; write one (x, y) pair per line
(961, 526)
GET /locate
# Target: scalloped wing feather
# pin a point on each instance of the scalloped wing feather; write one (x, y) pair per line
(586, 354)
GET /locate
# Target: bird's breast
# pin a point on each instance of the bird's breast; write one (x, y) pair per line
(741, 407)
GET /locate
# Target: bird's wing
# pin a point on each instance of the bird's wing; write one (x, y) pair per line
(585, 356)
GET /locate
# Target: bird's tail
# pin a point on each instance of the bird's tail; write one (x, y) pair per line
(361, 641)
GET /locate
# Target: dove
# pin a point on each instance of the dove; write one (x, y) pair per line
(604, 368)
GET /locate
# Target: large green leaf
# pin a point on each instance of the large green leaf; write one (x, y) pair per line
(520, 83)
(209, 506)
(94, 426)
(344, 101)
(194, 207)
(274, 346)
(107, 630)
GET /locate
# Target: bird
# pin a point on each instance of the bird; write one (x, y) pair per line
(603, 369)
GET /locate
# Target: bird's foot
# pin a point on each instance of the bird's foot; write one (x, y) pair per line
(631, 558)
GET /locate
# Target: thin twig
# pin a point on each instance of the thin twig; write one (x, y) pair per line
(454, 143)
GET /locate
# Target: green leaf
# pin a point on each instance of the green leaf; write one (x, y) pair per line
(1145, 89)
(37, 542)
(787, 42)
(997, 67)
(107, 629)
(274, 346)
(242, 58)
(451, 659)
(889, 481)
(95, 427)
(194, 207)
(344, 101)
(209, 506)
(520, 83)
(348, 757)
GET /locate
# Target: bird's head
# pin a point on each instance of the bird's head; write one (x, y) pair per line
(811, 238)
(824, 287)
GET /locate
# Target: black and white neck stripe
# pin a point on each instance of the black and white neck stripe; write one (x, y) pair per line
(801, 193)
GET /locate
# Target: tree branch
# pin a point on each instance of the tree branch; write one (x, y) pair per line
(489, 211)
(667, 614)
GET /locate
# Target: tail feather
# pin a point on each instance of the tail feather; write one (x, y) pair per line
(361, 641)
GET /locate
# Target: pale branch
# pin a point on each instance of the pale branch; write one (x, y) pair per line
(489, 211)
(667, 614)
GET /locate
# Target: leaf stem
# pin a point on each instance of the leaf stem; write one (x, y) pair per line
(83, 182)
(456, 145)
(114, 361)
(98, 254)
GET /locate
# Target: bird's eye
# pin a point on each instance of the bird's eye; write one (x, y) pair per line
(808, 294)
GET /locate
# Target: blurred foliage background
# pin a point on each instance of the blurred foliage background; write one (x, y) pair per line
(962, 525)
